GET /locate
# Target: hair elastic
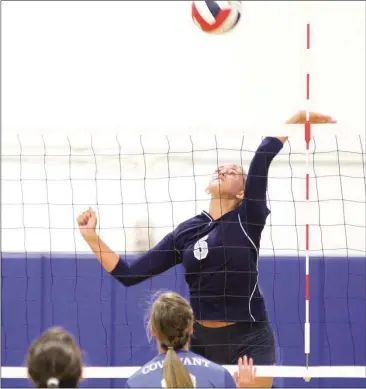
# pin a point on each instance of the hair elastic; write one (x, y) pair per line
(53, 382)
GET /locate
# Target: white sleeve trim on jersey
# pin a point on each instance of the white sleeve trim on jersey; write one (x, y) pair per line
(256, 283)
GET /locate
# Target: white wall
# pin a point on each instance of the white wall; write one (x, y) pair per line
(115, 66)
(46, 185)
(107, 68)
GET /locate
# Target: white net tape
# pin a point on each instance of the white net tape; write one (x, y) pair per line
(262, 371)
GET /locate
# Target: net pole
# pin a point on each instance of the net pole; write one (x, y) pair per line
(307, 232)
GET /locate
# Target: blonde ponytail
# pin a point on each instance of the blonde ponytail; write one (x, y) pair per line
(171, 319)
(175, 374)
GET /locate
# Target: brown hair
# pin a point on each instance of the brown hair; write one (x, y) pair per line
(171, 319)
(54, 360)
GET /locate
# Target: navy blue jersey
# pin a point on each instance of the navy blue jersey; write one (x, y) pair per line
(204, 373)
(220, 256)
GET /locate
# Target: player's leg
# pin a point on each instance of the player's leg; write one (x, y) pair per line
(256, 340)
(212, 343)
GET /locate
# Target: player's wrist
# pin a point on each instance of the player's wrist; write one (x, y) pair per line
(91, 237)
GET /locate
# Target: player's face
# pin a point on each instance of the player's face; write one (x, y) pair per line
(227, 182)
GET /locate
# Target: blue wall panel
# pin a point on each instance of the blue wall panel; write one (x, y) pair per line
(39, 291)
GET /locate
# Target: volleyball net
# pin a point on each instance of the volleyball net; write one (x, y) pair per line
(141, 189)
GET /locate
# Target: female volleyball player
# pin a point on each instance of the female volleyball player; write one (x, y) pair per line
(54, 360)
(219, 251)
(171, 323)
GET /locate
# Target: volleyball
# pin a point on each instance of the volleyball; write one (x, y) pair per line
(216, 17)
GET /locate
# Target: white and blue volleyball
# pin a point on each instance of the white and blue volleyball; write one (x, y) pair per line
(216, 17)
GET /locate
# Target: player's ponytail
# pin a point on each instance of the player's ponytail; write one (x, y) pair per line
(175, 374)
(54, 360)
(172, 321)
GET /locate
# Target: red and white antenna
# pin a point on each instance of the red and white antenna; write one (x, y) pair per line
(307, 232)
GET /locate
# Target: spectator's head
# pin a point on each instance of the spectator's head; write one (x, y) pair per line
(54, 360)
(171, 323)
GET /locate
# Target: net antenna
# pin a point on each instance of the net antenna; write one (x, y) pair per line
(307, 174)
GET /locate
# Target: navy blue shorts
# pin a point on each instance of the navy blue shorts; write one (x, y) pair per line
(226, 345)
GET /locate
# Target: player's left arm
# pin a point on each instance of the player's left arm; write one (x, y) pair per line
(255, 204)
(300, 118)
(257, 179)
(283, 139)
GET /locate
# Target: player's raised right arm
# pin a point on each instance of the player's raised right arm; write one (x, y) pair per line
(128, 269)
(87, 222)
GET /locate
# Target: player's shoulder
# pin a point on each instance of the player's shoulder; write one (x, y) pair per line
(133, 380)
(210, 373)
(199, 360)
(142, 378)
(199, 220)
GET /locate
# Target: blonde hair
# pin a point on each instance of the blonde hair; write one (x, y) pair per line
(172, 319)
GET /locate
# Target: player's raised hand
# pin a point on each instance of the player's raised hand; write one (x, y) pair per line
(314, 118)
(87, 222)
(244, 377)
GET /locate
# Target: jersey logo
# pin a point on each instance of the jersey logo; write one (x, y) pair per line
(193, 378)
(200, 249)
